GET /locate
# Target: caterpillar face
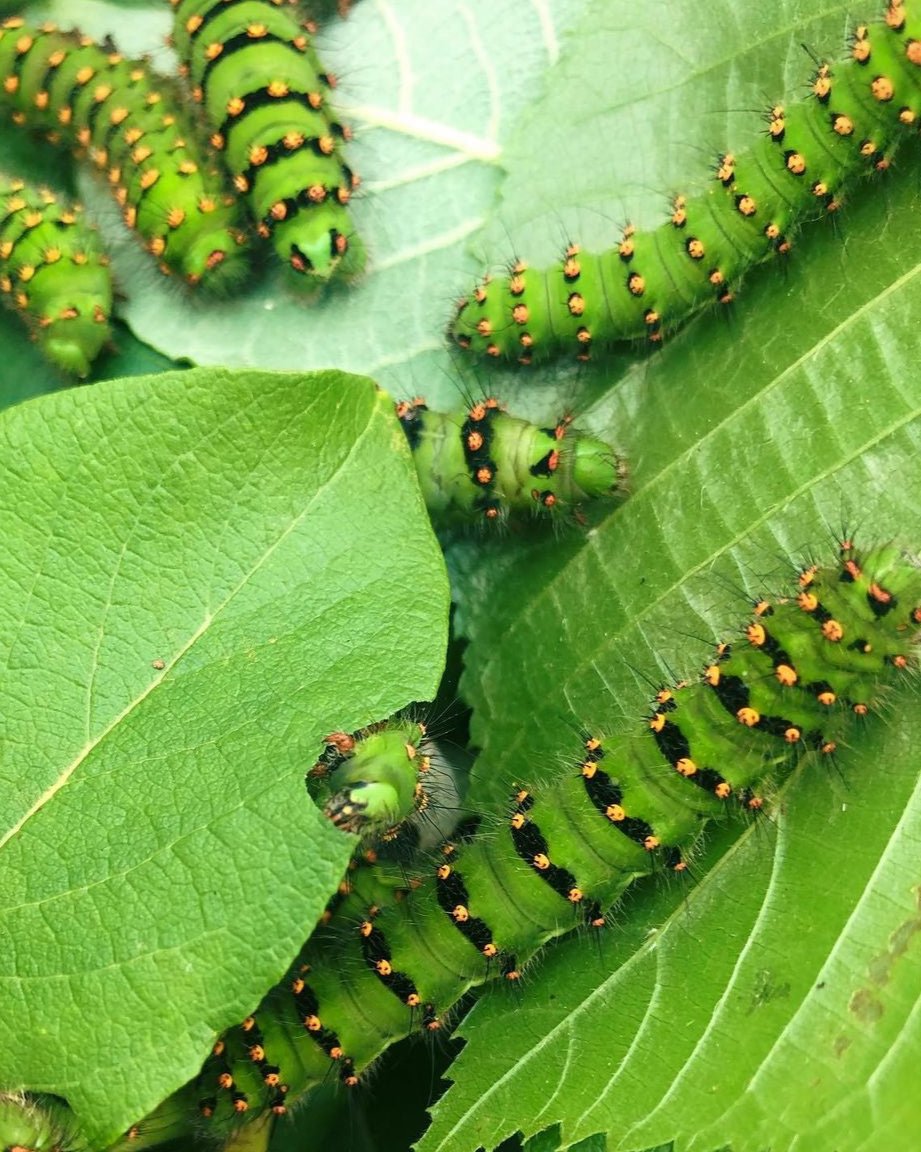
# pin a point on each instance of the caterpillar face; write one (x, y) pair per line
(857, 113)
(484, 464)
(54, 272)
(251, 65)
(370, 782)
(131, 126)
(399, 951)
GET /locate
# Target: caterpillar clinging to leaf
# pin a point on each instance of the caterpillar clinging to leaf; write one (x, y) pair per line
(857, 113)
(483, 464)
(265, 95)
(133, 127)
(805, 671)
(54, 272)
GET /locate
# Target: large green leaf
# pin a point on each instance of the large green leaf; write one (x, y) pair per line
(202, 574)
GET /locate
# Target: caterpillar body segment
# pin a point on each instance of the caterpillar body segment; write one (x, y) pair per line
(803, 166)
(54, 273)
(133, 127)
(483, 464)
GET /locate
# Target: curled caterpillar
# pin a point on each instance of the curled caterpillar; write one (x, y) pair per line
(54, 272)
(266, 100)
(131, 126)
(370, 781)
(857, 113)
(486, 464)
(803, 672)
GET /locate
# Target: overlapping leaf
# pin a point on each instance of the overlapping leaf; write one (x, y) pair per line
(202, 574)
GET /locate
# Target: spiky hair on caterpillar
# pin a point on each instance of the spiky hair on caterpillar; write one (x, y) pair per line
(37, 1124)
(133, 127)
(857, 113)
(485, 465)
(54, 273)
(804, 672)
(266, 97)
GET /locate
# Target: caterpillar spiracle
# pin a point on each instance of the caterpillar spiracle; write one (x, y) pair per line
(483, 464)
(265, 95)
(804, 672)
(857, 113)
(132, 127)
(54, 272)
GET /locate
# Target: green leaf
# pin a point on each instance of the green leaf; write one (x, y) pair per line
(203, 573)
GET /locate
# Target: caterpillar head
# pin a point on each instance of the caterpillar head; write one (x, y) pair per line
(32, 1126)
(370, 781)
(321, 243)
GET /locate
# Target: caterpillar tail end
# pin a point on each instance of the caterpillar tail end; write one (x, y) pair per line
(597, 470)
(74, 340)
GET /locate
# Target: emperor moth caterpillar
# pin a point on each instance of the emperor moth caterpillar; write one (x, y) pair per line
(54, 272)
(265, 97)
(369, 782)
(805, 668)
(134, 129)
(857, 113)
(486, 464)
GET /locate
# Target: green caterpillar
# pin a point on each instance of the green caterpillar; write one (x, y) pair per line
(32, 1126)
(371, 781)
(54, 272)
(265, 96)
(129, 124)
(484, 464)
(390, 961)
(858, 112)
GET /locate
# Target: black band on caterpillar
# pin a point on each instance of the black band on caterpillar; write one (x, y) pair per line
(857, 114)
(266, 99)
(370, 782)
(485, 464)
(54, 272)
(131, 126)
(804, 667)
